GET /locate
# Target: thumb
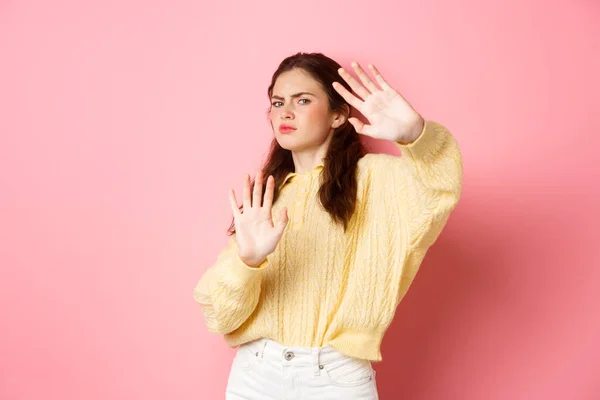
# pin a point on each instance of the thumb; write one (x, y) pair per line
(357, 124)
(362, 128)
(283, 219)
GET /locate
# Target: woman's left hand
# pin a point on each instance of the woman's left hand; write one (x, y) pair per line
(389, 114)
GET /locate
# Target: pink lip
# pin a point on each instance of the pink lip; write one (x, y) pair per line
(286, 128)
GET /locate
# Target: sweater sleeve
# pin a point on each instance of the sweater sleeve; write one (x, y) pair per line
(432, 164)
(416, 192)
(408, 200)
(229, 290)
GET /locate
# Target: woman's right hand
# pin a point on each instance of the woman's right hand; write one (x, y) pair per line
(256, 235)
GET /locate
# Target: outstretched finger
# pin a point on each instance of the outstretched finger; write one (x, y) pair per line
(235, 209)
(268, 200)
(349, 97)
(257, 195)
(247, 201)
(364, 78)
(382, 82)
(354, 84)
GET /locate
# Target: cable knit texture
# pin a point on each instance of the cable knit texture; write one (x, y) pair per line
(322, 286)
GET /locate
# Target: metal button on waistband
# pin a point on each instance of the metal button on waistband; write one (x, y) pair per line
(289, 355)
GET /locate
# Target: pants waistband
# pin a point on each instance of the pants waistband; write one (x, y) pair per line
(270, 351)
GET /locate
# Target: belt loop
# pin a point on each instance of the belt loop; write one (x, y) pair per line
(315, 359)
(262, 351)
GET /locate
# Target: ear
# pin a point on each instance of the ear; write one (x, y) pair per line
(340, 117)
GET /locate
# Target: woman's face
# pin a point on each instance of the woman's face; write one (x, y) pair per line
(300, 101)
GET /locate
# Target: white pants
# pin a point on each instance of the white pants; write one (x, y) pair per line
(265, 370)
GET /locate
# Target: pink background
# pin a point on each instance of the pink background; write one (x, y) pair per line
(124, 123)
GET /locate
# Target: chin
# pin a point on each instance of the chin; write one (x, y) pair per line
(287, 142)
(287, 146)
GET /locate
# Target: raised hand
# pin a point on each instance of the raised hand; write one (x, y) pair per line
(256, 235)
(390, 116)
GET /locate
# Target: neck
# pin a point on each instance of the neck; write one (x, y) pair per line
(307, 160)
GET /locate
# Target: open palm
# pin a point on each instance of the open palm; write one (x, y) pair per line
(256, 234)
(390, 116)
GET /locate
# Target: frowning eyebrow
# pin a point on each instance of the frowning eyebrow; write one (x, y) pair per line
(293, 96)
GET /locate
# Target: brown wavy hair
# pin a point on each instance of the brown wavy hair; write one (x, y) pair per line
(337, 193)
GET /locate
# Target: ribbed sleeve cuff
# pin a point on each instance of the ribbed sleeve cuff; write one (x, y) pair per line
(427, 141)
(240, 273)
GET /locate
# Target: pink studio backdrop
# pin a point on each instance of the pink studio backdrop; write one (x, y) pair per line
(124, 123)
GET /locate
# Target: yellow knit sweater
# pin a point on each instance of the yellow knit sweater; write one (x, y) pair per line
(322, 286)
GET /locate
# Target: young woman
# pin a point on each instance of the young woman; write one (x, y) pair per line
(328, 238)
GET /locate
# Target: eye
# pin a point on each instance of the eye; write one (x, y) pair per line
(275, 103)
(306, 100)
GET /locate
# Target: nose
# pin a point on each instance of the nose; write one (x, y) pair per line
(286, 113)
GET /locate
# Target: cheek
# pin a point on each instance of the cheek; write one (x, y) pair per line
(316, 116)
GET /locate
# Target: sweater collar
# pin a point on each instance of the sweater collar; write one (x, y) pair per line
(315, 171)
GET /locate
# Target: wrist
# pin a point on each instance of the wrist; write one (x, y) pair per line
(252, 263)
(413, 133)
